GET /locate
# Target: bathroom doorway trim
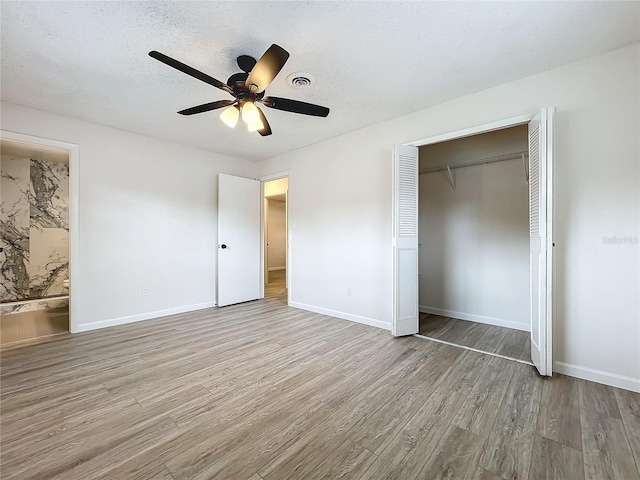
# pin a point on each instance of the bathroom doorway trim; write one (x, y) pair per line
(72, 148)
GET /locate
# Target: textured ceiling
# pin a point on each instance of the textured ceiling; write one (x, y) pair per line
(372, 60)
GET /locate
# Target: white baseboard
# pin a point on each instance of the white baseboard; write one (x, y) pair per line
(372, 322)
(85, 327)
(498, 322)
(273, 269)
(598, 376)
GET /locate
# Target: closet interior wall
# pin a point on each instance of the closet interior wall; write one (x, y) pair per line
(474, 239)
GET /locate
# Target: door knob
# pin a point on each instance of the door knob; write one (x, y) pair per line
(223, 246)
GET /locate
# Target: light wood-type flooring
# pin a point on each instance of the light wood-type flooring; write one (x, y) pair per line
(487, 338)
(264, 391)
(276, 287)
(33, 327)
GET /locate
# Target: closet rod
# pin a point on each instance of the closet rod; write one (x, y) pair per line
(480, 161)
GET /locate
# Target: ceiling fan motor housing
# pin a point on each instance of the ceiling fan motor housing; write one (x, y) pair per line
(240, 89)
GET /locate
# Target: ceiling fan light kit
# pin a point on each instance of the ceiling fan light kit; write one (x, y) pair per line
(247, 88)
(255, 126)
(249, 112)
(230, 116)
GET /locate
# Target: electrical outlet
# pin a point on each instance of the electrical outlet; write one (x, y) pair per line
(349, 292)
(145, 292)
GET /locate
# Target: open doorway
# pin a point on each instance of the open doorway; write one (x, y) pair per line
(275, 239)
(34, 240)
(473, 225)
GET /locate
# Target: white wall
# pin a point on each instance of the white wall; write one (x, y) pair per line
(276, 234)
(340, 228)
(340, 209)
(474, 253)
(147, 219)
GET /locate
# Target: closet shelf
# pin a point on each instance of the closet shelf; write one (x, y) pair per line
(524, 155)
(480, 161)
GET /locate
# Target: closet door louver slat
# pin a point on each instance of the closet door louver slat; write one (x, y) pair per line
(534, 181)
(407, 197)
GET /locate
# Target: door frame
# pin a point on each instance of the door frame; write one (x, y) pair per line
(467, 132)
(268, 178)
(72, 148)
(501, 124)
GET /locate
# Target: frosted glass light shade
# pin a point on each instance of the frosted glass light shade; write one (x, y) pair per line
(250, 113)
(255, 126)
(230, 116)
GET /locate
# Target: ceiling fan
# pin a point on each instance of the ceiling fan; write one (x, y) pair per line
(248, 88)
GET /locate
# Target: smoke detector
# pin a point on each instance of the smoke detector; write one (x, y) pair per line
(300, 80)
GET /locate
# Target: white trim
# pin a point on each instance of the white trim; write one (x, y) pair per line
(467, 132)
(74, 260)
(84, 327)
(372, 322)
(288, 275)
(275, 176)
(21, 137)
(473, 349)
(273, 269)
(498, 322)
(598, 376)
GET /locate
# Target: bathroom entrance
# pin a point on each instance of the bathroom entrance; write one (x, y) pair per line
(34, 240)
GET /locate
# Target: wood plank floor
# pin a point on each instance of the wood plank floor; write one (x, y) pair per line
(263, 391)
(487, 338)
(276, 287)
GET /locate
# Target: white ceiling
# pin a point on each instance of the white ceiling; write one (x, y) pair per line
(372, 60)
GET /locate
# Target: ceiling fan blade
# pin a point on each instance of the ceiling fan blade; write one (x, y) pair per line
(295, 106)
(267, 129)
(190, 71)
(266, 69)
(205, 107)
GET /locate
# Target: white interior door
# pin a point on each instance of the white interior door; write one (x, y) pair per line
(540, 245)
(405, 240)
(239, 240)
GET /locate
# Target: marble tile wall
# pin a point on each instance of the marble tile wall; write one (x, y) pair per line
(34, 228)
(15, 193)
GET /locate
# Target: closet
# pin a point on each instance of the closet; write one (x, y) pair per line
(473, 228)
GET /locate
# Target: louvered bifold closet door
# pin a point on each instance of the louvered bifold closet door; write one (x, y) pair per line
(405, 240)
(540, 254)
